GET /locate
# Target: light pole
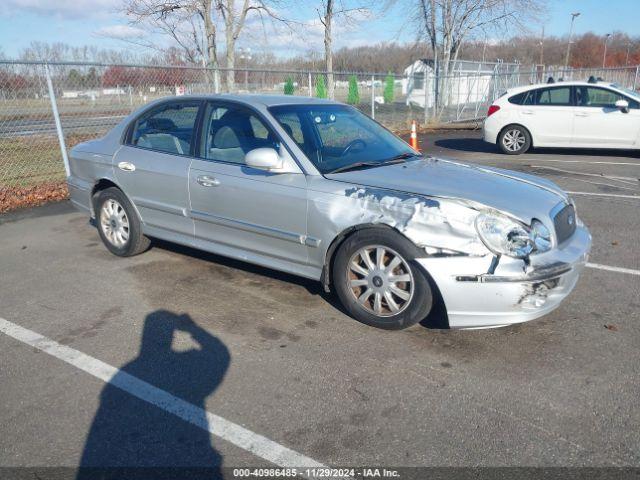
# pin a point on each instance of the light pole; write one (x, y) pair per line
(604, 55)
(626, 62)
(245, 54)
(566, 59)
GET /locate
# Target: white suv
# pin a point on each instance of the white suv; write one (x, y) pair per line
(565, 114)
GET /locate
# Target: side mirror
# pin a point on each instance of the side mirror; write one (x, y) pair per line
(264, 159)
(623, 106)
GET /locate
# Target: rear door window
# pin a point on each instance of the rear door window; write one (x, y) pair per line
(169, 128)
(554, 96)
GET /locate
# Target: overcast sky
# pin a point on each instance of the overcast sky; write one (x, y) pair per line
(95, 22)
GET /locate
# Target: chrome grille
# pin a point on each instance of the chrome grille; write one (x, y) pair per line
(565, 223)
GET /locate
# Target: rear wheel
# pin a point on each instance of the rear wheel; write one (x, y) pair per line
(378, 282)
(118, 224)
(514, 140)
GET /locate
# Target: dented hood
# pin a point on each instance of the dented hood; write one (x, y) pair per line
(521, 195)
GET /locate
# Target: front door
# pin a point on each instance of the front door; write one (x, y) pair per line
(600, 124)
(245, 212)
(152, 167)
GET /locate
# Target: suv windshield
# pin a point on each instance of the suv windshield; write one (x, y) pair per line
(338, 137)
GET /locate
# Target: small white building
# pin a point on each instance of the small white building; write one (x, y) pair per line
(464, 83)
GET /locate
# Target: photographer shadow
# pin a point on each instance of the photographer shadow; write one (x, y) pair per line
(131, 438)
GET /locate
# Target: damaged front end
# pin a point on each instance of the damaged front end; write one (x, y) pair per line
(491, 268)
(481, 292)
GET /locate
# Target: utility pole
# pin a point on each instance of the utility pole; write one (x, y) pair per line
(626, 62)
(245, 54)
(542, 48)
(604, 56)
(566, 58)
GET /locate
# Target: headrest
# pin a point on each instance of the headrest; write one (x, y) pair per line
(225, 137)
(161, 124)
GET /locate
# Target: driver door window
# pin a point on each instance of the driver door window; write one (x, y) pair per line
(600, 98)
(231, 132)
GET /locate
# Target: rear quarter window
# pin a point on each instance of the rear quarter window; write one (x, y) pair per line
(523, 98)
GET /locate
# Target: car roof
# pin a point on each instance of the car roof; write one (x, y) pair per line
(265, 100)
(561, 84)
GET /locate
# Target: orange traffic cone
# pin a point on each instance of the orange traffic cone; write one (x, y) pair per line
(413, 142)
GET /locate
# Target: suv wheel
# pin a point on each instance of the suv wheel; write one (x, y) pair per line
(118, 224)
(378, 282)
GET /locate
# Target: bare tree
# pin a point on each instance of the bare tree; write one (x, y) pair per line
(327, 12)
(448, 23)
(193, 25)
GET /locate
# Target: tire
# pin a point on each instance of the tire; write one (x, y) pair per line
(416, 300)
(514, 140)
(118, 224)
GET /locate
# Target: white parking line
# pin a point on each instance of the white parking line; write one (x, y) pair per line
(627, 180)
(630, 271)
(218, 426)
(637, 164)
(615, 195)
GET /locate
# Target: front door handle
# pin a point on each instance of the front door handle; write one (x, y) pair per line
(126, 166)
(582, 114)
(207, 181)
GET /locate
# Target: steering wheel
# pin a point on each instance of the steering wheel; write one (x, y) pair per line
(352, 144)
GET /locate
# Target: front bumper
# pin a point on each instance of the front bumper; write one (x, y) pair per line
(514, 292)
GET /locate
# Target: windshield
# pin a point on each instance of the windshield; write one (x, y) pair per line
(337, 137)
(630, 92)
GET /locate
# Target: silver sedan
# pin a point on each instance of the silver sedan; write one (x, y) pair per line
(317, 189)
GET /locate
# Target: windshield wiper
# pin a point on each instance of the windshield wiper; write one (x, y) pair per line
(397, 159)
(355, 166)
(402, 156)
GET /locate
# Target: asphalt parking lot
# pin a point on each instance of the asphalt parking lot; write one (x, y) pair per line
(275, 355)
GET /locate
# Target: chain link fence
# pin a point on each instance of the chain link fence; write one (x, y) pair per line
(86, 100)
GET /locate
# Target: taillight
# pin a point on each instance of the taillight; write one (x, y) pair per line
(492, 109)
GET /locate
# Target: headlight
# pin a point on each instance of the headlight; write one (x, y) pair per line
(541, 236)
(507, 237)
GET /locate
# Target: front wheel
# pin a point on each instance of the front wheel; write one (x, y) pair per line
(378, 282)
(514, 140)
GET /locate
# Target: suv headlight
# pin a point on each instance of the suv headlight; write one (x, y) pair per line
(505, 236)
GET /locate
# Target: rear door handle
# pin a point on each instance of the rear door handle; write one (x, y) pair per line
(126, 166)
(207, 181)
(527, 112)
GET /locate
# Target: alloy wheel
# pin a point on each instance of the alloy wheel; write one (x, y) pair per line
(380, 280)
(114, 223)
(513, 140)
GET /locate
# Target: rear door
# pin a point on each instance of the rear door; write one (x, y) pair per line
(548, 114)
(153, 166)
(600, 124)
(242, 210)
